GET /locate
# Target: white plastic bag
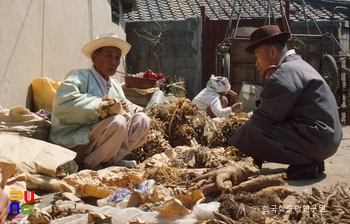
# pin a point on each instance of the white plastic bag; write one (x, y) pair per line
(204, 211)
(157, 99)
(249, 95)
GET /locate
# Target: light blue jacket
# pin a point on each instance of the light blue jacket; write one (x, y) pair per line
(75, 107)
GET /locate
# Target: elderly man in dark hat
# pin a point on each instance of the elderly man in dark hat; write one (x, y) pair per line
(79, 120)
(297, 121)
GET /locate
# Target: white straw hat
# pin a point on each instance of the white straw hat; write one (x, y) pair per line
(106, 40)
(218, 84)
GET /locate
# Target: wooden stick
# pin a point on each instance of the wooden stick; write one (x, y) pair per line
(122, 73)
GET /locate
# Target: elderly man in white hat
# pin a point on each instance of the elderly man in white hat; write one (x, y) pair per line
(77, 122)
(213, 100)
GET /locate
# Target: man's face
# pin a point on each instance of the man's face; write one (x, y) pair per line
(107, 61)
(265, 56)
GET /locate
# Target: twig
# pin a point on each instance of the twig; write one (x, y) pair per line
(224, 218)
(330, 196)
(122, 73)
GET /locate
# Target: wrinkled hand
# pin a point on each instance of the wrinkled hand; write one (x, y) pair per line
(4, 206)
(125, 105)
(250, 114)
(237, 106)
(269, 71)
(234, 95)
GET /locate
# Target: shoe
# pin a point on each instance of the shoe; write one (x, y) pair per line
(321, 167)
(299, 172)
(126, 163)
(98, 167)
(258, 163)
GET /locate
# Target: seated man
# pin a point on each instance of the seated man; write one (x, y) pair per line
(297, 121)
(213, 100)
(76, 121)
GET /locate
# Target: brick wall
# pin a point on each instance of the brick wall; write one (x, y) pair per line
(170, 47)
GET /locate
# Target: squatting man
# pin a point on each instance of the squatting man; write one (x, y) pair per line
(297, 121)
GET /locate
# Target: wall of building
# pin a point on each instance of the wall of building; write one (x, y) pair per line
(170, 47)
(44, 39)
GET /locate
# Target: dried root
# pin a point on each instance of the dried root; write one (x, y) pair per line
(258, 183)
(236, 173)
(165, 175)
(182, 122)
(223, 218)
(331, 205)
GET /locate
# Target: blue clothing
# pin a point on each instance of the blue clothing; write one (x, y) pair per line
(75, 107)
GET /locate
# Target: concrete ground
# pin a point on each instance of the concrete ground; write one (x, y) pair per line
(337, 168)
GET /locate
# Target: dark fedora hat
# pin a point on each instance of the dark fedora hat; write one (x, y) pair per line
(265, 35)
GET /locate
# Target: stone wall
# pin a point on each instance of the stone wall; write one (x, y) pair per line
(170, 47)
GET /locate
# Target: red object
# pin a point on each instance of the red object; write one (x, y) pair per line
(128, 183)
(139, 82)
(160, 76)
(150, 75)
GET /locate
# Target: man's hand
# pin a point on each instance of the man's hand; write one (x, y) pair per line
(233, 95)
(107, 98)
(269, 71)
(237, 106)
(4, 206)
(125, 105)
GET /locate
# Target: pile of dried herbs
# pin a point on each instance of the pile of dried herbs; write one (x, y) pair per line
(180, 123)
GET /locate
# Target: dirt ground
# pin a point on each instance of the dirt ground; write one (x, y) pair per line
(337, 168)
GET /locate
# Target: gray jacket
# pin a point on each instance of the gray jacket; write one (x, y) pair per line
(297, 120)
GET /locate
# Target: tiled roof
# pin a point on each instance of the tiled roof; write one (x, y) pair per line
(221, 9)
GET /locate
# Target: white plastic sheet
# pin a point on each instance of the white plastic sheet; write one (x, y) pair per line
(202, 211)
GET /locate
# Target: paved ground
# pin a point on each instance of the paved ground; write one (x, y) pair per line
(337, 168)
